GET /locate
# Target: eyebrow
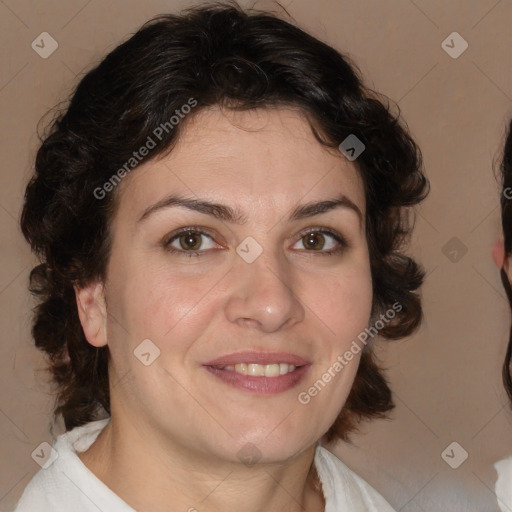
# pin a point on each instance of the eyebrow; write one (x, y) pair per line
(235, 216)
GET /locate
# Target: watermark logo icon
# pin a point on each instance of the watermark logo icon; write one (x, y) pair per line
(44, 455)
(146, 352)
(249, 454)
(44, 45)
(249, 250)
(454, 45)
(454, 455)
(351, 147)
(454, 249)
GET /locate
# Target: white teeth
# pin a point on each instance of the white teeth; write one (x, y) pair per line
(272, 370)
(261, 370)
(241, 368)
(256, 370)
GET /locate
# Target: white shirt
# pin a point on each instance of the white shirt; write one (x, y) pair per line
(503, 486)
(66, 484)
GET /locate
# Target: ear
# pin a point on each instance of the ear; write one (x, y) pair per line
(501, 259)
(498, 253)
(92, 310)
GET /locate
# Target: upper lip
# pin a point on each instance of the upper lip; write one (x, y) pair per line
(258, 358)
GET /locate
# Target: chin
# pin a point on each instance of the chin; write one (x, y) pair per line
(267, 448)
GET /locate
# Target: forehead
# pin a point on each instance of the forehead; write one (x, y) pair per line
(267, 157)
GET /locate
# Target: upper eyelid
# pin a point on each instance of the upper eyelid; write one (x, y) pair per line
(194, 229)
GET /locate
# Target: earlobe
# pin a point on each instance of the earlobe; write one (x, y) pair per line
(92, 311)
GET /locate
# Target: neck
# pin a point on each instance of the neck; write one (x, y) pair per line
(148, 477)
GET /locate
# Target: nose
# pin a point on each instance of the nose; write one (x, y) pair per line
(263, 295)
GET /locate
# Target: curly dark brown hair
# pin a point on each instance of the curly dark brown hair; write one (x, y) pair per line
(506, 223)
(239, 59)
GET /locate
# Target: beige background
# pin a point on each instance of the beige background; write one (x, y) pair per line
(447, 376)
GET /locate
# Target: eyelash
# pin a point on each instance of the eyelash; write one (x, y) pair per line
(196, 230)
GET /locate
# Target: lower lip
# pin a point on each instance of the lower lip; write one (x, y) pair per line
(260, 385)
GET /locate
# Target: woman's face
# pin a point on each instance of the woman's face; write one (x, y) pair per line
(262, 273)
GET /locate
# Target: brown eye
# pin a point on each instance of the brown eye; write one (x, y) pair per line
(314, 241)
(322, 241)
(190, 242)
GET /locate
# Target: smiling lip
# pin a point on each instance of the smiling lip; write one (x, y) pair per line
(259, 385)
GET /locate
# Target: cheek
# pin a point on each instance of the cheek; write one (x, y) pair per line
(343, 302)
(161, 304)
